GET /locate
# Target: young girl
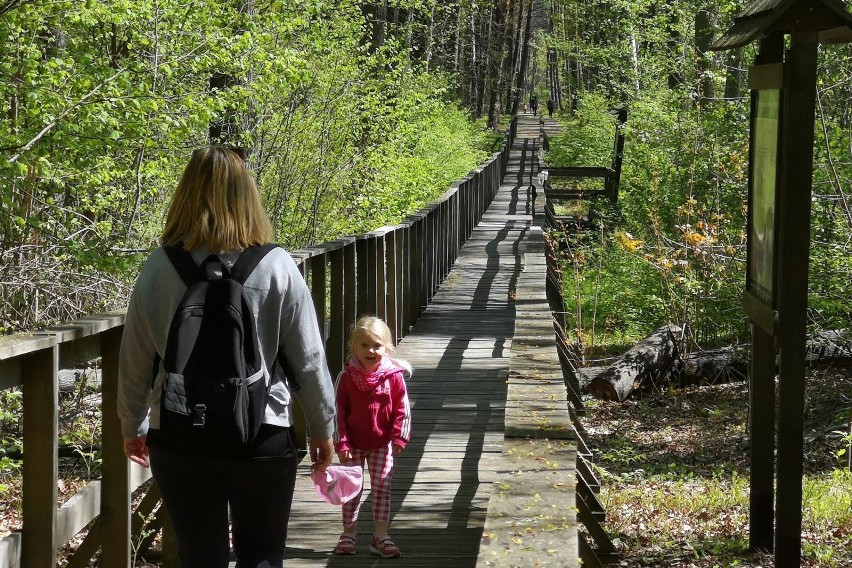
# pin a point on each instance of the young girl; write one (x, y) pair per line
(373, 425)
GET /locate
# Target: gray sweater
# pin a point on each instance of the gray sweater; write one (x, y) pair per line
(285, 318)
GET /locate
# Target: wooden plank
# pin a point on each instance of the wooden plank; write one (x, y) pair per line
(530, 518)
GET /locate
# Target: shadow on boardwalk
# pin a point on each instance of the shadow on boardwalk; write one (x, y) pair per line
(460, 349)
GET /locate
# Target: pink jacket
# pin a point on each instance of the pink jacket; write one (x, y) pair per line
(372, 408)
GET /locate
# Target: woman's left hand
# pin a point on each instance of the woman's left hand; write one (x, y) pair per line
(136, 450)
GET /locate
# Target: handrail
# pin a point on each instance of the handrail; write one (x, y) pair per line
(392, 272)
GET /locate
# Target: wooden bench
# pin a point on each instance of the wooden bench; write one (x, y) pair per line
(560, 183)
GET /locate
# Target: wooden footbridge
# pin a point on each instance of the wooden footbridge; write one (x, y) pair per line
(489, 476)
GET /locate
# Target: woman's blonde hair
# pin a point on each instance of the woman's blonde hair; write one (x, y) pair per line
(374, 327)
(217, 204)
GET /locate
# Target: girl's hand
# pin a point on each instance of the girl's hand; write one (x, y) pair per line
(136, 450)
(397, 449)
(344, 456)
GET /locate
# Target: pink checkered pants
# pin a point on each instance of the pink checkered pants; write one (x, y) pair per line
(380, 467)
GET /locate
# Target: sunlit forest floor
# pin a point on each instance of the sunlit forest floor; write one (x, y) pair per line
(674, 467)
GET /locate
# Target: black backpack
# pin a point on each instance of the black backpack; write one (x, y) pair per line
(214, 392)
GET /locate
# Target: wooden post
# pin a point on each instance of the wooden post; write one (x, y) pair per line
(762, 431)
(371, 276)
(453, 229)
(336, 350)
(380, 275)
(794, 189)
(363, 305)
(392, 279)
(350, 287)
(317, 270)
(417, 269)
(39, 371)
(762, 384)
(115, 488)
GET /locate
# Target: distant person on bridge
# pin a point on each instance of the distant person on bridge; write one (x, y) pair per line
(212, 496)
(534, 103)
(373, 426)
(550, 106)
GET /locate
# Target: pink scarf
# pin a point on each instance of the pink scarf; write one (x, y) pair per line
(366, 381)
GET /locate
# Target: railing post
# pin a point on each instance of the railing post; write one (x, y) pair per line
(350, 287)
(454, 225)
(362, 263)
(335, 346)
(317, 270)
(431, 253)
(115, 487)
(381, 277)
(445, 241)
(464, 211)
(480, 195)
(417, 268)
(39, 371)
(407, 292)
(391, 284)
(372, 277)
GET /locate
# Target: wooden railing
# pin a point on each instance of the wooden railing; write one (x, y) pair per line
(595, 547)
(392, 272)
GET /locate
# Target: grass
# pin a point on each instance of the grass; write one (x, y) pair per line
(675, 472)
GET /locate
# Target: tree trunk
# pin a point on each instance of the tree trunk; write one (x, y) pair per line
(703, 36)
(646, 361)
(521, 77)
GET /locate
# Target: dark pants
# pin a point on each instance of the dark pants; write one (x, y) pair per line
(198, 492)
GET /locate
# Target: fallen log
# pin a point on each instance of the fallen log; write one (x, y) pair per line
(716, 366)
(650, 359)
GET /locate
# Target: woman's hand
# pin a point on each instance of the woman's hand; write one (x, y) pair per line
(322, 453)
(136, 450)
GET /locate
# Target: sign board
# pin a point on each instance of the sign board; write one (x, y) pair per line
(767, 95)
(764, 165)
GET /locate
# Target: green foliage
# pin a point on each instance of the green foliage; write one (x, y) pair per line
(11, 418)
(108, 99)
(683, 199)
(587, 137)
(676, 250)
(613, 295)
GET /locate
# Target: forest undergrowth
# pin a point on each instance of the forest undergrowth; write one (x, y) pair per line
(674, 466)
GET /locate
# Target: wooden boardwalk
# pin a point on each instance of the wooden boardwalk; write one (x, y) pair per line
(490, 448)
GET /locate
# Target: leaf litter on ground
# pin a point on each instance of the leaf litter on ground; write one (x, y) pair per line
(674, 466)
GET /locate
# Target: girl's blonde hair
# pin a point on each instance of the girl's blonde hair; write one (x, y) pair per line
(374, 327)
(216, 203)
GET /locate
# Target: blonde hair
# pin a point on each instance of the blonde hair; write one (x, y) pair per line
(374, 327)
(217, 204)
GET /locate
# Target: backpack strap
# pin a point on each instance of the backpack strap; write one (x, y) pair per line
(248, 261)
(189, 272)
